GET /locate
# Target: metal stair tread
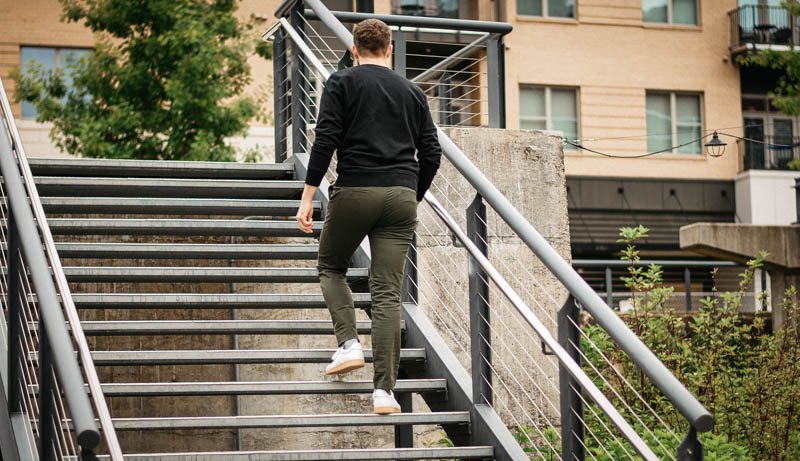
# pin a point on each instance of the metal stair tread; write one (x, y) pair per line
(350, 454)
(180, 327)
(239, 227)
(187, 250)
(179, 206)
(241, 356)
(201, 274)
(207, 300)
(266, 388)
(166, 187)
(284, 421)
(158, 168)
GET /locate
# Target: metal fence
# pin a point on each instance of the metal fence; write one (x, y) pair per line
(52, 416)
(458, 64)
(769, 152)
(530, 359)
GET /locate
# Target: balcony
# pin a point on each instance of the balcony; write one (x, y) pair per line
(758, 27)
(769, 152)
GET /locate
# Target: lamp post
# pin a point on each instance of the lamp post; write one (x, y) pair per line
(715, 147)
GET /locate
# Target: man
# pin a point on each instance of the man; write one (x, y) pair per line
(377, 121)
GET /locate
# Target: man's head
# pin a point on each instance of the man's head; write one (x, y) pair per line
(372, 39)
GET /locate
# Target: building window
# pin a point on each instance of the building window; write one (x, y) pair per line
(430, 8)
(670, 11)
(545, 108)
(547, 8)
(50, 59)
(674, 119)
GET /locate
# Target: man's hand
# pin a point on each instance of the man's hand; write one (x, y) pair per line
(305, 213)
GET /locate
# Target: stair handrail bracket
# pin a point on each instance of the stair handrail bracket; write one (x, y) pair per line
(578, 383)
(45, 380)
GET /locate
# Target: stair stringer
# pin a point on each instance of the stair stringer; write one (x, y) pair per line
(486, 427)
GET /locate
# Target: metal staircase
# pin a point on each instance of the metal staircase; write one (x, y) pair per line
(184, 272)
(111, 212)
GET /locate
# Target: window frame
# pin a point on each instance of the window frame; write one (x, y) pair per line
(57, 64)
(697, 10)
(548, 108)
(673, 113)
(546, 12)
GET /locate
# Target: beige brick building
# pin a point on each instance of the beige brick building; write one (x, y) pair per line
(622, 77)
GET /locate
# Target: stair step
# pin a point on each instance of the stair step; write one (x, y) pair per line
(166, 187)
(215, 327)
(355, 454)
(201, 274)
(267, 388)
(159, 169)
(186, 250)
(260, 228)
(172, 206)
(208, 357)
(208, 301)
(285, 421)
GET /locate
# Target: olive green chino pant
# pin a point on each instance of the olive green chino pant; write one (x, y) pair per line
(388, 216)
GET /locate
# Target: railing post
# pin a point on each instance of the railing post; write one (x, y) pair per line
(479, 320)
(400, 52)
(495, 75)
(609, 287)
(280, 89)
(410, 291)
(572, 430)
(365, 6)
(687, 288)
(15, 319)
(298, 86)
(690, 449)
(46, 387)
(445, 99)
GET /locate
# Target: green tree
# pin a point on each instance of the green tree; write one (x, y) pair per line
(165, 81)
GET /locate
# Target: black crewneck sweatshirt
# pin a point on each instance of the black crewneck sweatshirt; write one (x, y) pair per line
(376, 121)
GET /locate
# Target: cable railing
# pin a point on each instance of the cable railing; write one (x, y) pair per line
(53, 416)
(530, 356)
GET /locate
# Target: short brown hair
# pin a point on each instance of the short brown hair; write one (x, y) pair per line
(372, 36)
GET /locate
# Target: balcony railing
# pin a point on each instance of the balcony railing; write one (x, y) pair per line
(769, 152)
(761, 26)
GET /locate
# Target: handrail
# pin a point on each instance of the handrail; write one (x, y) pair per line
(65, 363)
(691, 409)
(501, 28)
(542, 331)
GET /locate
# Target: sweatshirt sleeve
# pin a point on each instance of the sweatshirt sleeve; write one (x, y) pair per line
(328, 132)
(429, 152)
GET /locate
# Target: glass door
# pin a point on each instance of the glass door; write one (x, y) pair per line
(754, 143)
(782, 135)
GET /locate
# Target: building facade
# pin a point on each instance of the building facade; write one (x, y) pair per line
(623, 78)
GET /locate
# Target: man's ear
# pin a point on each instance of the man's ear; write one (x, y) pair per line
(354, 52)
(389, 52)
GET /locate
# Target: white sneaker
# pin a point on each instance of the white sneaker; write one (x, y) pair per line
(346, 360)
(383, 403)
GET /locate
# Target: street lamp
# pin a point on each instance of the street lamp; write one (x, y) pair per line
(715, 147)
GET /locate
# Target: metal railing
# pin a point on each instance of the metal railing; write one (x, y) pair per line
(52, 415)
(769, 152)
(752, 26)
(541, 384)
(459, 64)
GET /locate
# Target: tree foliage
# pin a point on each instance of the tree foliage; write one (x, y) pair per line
(746, 376)
(165, 81)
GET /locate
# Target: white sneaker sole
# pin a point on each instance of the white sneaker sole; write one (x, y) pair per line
(346, 367)
(385, 410)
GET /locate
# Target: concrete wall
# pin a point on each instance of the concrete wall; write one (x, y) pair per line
(766, 197)
(527, 167)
